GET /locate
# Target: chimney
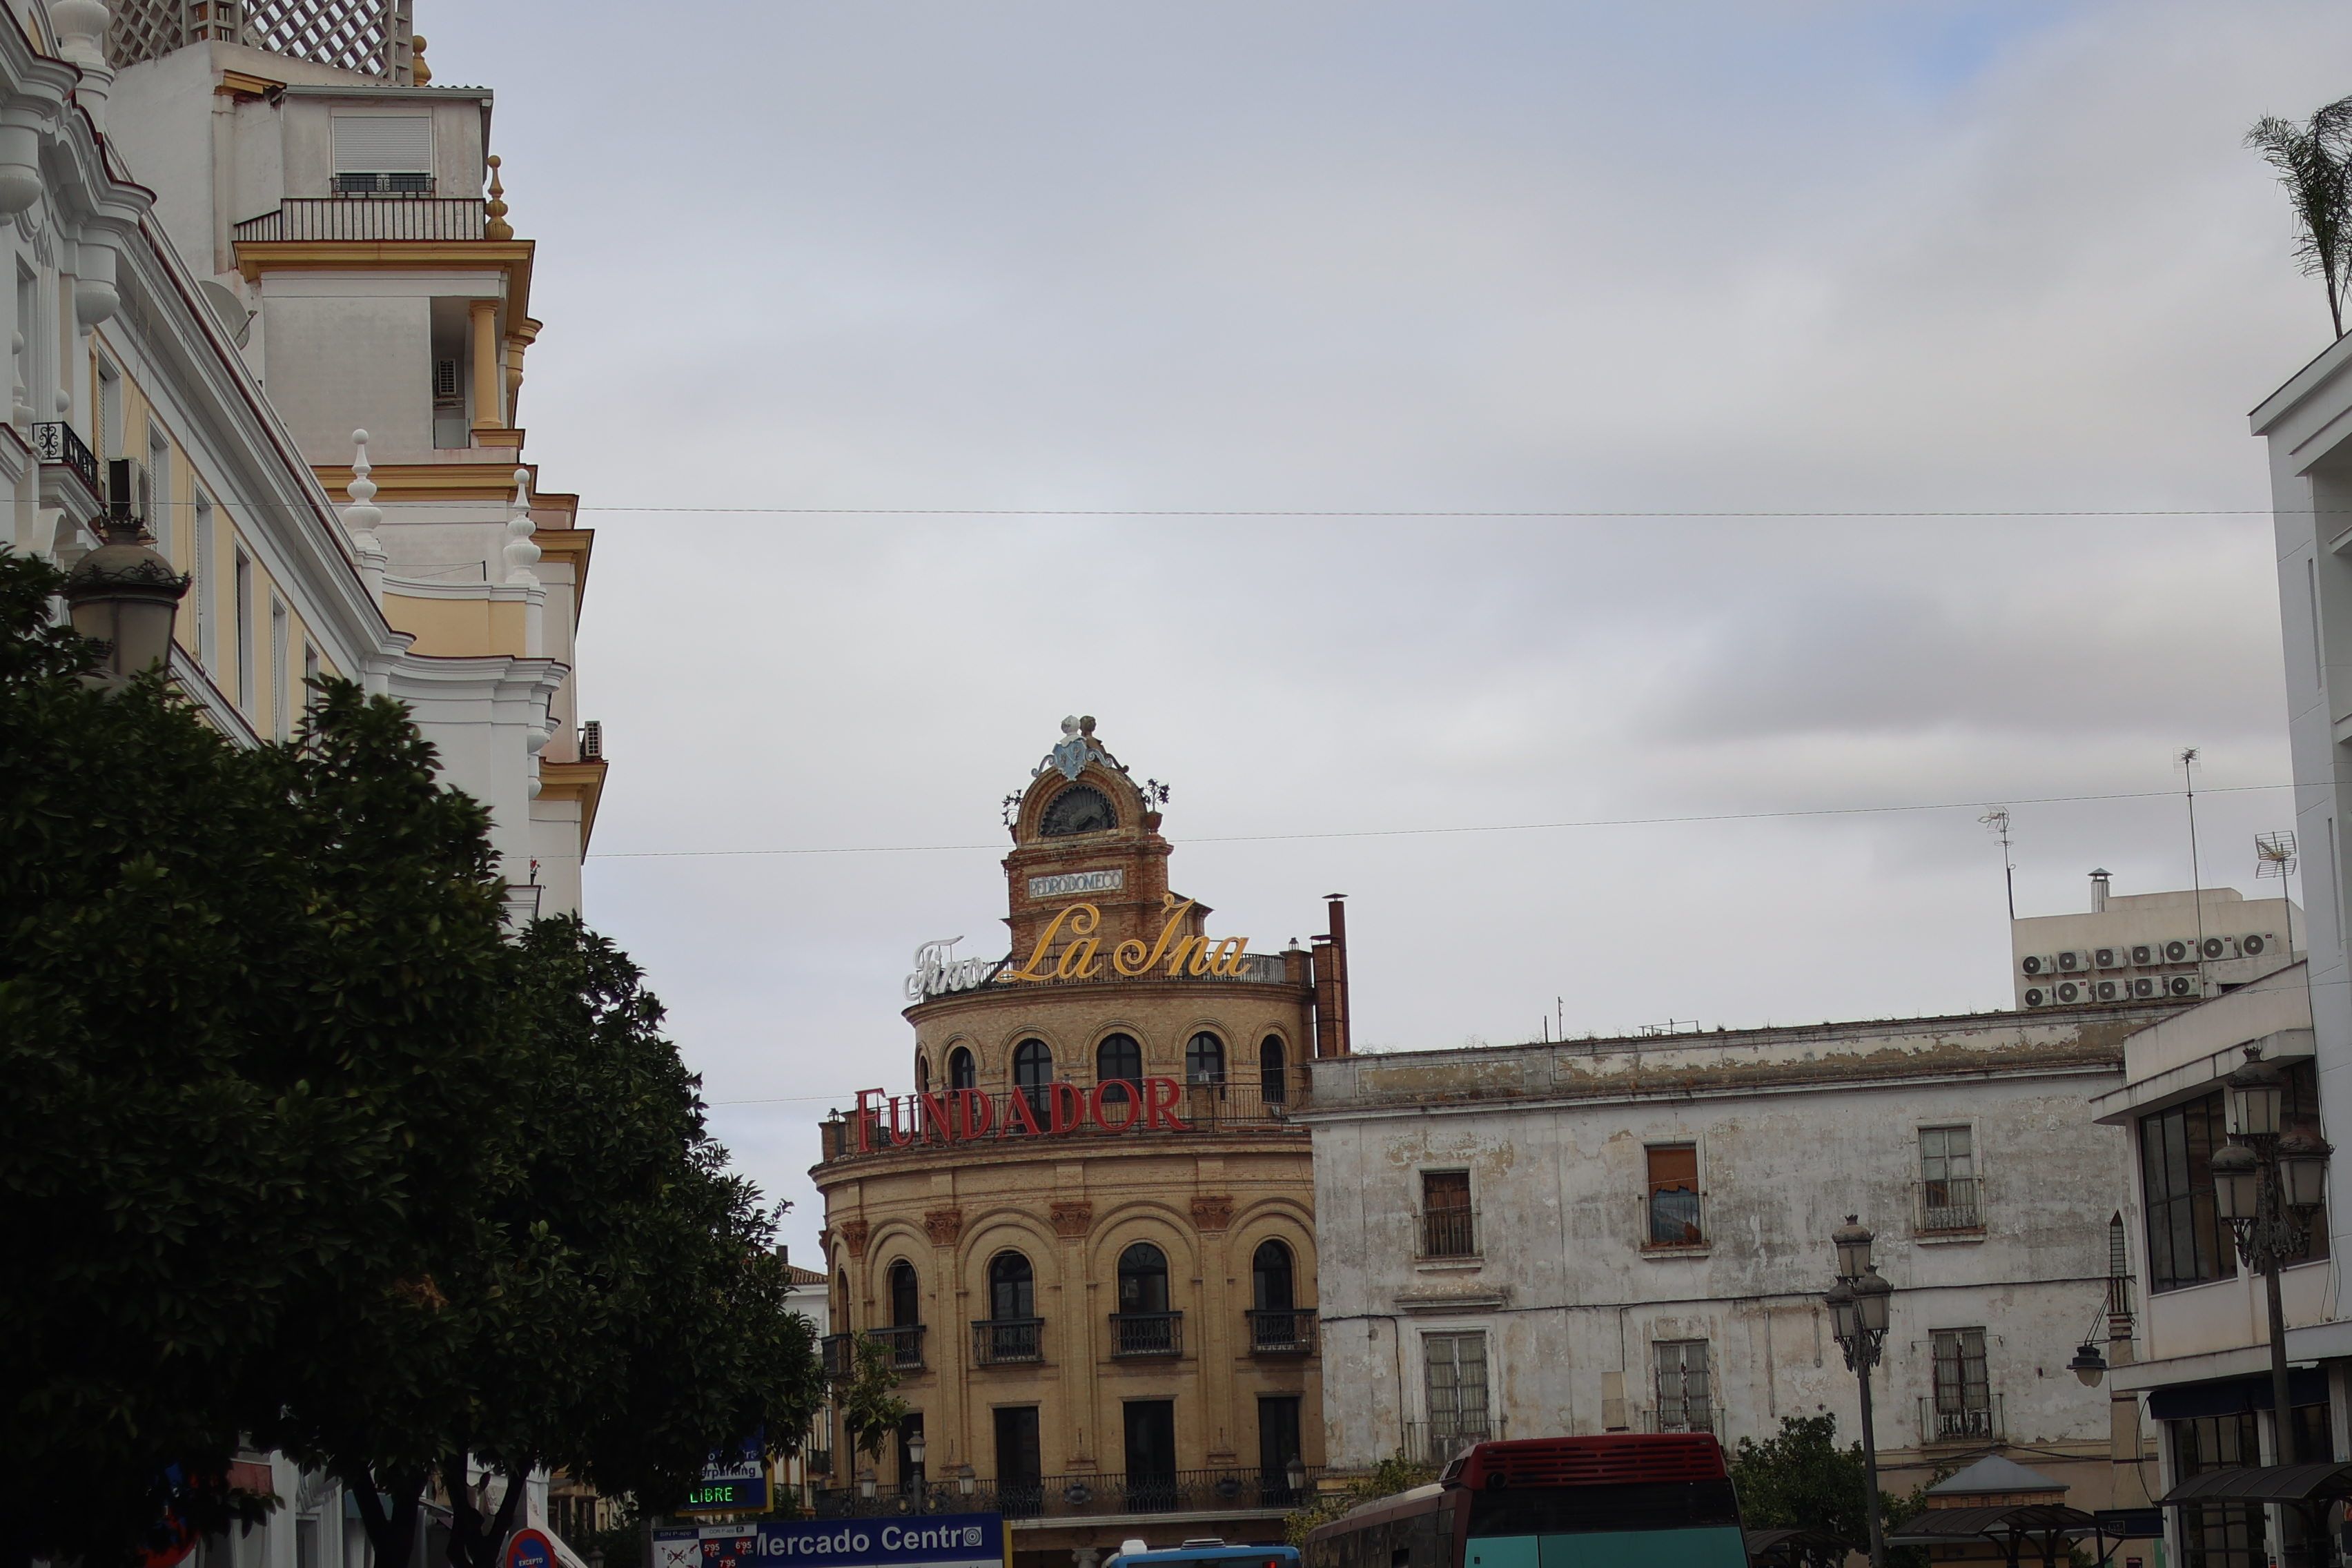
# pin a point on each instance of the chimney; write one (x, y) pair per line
(2098, 892)
(1329, 958)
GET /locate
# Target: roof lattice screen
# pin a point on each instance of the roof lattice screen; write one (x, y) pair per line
(370, 37)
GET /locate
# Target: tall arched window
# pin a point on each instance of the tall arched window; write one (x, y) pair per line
(1273, 1074)
(1033, 1069)
(922, 1073)
(905, 1298)
(1010, 1332)
(1270, 1278)
(1119, 1060)
(1012, 1288)
(961, 1071)
(1204, 1058)
(1143, 1279)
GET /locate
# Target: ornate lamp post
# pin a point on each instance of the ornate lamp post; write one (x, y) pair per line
(916, 1481)
(2267, 1186)
(124, 595)
(1858, 1311)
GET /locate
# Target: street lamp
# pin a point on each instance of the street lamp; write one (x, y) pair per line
(2088, 1365)
(2267, 1186)
(914, 1481)
(1858, 1306)
(1295, 1473)
(125, 595)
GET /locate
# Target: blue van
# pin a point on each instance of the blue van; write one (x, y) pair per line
(1205, 1553)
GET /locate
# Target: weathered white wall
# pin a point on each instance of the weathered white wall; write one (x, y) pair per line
(337, 362)
(1795, 1130)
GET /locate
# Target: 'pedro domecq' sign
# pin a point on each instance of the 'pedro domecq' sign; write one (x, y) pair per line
(1174, 953)
(1050, 1110)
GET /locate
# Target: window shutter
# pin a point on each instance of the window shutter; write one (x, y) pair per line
(383, 143)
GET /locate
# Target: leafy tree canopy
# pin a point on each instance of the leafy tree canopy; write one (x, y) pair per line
(1801, 1480)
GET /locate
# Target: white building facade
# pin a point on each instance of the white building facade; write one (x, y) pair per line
(1633, 1235)
(2178, 945)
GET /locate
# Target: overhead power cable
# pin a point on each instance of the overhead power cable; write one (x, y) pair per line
(1472, 827)
(1595, 513)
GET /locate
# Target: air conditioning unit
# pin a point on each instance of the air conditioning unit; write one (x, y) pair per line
(2180, 949)
(2253, 946)
(2110, 957)
(2146, 954)
(2218, 947)
(2072, 961)
(126, 488)
(2146, 987)
(2038, 964)
(2070, 992)
(2037, 997)
(2183, 986)
(445, 381)
(2111, 990)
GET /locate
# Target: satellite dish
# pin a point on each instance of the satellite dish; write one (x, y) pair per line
(235, 319)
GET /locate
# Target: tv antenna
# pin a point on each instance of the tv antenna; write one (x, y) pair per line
(1997, 822)
(2274, 857)
(2186, 759)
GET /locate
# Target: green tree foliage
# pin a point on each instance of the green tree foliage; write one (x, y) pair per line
(1801, 1480)
(1390, 1475)
(294, 1146)
(870, 1411)
(2314, 160)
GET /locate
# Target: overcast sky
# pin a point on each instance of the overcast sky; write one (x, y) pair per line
(1275, 255)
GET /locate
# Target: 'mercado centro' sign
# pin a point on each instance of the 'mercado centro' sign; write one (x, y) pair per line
(1175, 953)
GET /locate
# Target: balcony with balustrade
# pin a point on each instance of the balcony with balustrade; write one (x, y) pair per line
(388, 217)
(1447, 1234)
(1951, 1206)
(1945, 1418)
(1138, 1335)
(1008, 1341)
(1281, 1330)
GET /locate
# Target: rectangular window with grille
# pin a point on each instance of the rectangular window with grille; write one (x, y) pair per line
(1948, 1180)
(1963, 1401)
(1685, 1402)
(1673, 1217)
(1448, 1228)
(1454, 1369)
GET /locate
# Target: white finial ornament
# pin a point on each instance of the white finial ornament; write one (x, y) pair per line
(522, 553)
(362, 516)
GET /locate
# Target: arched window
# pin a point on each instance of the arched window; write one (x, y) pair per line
(906, 1300)
(1119, 1059)
(1012, 1288)
(1143, 1279)
(922, 1073)
(1033, 1069)
(1204, 1058)
(961, 1072)
(1270, 1278)
(1273, 1076)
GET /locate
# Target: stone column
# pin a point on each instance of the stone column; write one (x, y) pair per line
(488, 415)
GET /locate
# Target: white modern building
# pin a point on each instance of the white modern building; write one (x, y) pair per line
(2143, 947)
(1633, 1234)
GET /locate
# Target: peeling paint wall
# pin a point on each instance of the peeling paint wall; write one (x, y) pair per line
(1793, 1130)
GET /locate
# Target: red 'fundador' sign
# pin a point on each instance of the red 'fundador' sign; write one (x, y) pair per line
(962, 1115)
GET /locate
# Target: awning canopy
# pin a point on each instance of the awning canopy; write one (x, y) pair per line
(2264, 1483)
(2234, 1395)
(1941, 1526)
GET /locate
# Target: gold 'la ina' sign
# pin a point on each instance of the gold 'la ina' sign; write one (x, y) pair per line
(1176, 953)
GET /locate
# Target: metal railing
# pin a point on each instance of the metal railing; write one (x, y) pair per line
(1146, 1333)
(1948, 1206)
(1449, 1233)
(1080, 1496)
(1940, 1422)
(55, 441)
(393, 217)
(1692, 1418)
(1435, 1443)
(949, 1118)
(1007, 1342)
(1282, 1330)
(904, 1343)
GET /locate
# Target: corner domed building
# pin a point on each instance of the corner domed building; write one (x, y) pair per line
(1087, 1234)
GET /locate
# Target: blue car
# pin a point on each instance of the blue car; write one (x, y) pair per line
(1209, 1552)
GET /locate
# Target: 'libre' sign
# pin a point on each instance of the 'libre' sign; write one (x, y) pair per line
(1050, 1110)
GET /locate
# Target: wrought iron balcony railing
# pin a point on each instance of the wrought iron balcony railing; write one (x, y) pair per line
(1282, 1330)
(1081, 1496)
(1943, 1419)
(55, 441)
(387, 216)
(947, 1119)
(1435, 1442)
(1687, 1417)
(1146, 1333)
(1007, 1342)
(1449, 1233)
(1949, 1206)
(905, 1343)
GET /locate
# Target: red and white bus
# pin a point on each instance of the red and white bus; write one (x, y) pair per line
(1623, 1501)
